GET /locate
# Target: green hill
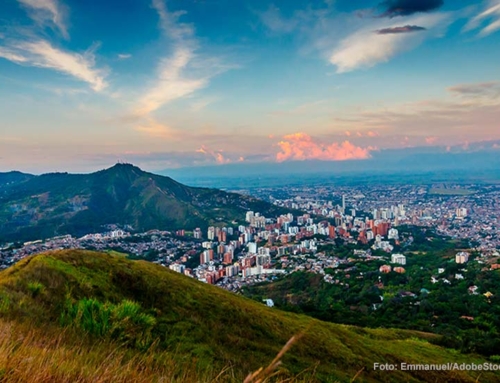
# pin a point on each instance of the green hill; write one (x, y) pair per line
(11, 178)
(54, 204)
(86, 316)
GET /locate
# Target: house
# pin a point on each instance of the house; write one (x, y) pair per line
(467, 317)
(473, 290)
(459, 276)
(269, 302)
(434, 280)
(385, 269)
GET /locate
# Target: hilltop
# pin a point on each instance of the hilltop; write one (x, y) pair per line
(136, 321)
(37, 207)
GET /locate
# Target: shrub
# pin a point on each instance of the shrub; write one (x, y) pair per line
(35, 288)
(125, 321)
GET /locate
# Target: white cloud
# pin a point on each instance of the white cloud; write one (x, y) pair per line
(181, 73)
(491, 15)
(171, 83)
(47, 12)
(43, 55)
(366, 48)
(124, 56)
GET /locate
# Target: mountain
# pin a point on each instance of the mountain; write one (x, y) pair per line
(61, 203)
(85, 316)
(12, 178)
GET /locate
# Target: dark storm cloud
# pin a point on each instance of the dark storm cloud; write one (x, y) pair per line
(408, 7)
(396, 30)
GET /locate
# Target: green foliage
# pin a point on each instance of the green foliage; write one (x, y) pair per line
(125, 321)
(124, 194)
(35, 288)
(109, 301)
(441, 308)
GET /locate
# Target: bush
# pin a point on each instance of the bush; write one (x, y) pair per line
(35, 288)
(125, 321)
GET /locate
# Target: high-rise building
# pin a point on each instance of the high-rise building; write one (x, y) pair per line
(211, 233)
(252, 248)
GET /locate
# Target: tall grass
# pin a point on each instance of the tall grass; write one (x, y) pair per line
(125, 322)
(28, 354)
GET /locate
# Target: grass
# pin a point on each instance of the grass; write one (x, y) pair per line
(100, 317)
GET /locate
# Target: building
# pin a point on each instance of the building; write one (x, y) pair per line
(462, 257)
(177, 268)
(400, 259)
(249, 215)
(211, 233)
(252, 248)
(385, 269)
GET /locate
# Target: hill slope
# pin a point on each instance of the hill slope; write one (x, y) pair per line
(60, 203)
(11, 178)
(176, 318)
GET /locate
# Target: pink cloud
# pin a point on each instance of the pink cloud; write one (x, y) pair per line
(301, 146)
(431, 140)
(216, 154)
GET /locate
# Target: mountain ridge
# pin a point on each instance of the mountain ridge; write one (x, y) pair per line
(63, 203)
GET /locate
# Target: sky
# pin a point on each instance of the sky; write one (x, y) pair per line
(169, 83)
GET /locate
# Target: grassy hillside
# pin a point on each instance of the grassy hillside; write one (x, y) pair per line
(86, 316)
(60, 203)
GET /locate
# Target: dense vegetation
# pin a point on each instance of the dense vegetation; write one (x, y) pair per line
(361, 295)
(54, 204)
(137, 321)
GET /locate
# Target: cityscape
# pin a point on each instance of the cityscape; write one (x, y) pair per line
(369, 219)
(255, 191)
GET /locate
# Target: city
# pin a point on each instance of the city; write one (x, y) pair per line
(365, 218)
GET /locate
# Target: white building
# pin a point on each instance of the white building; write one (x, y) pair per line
(400, 259)
(462, 257)
(252, 248)
(177, 268)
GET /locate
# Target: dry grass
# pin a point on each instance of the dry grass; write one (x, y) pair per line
(52, 356)
(28, 355)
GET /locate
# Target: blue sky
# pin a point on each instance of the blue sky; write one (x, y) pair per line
(196, 82)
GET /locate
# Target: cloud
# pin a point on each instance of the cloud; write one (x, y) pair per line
(124, 56)
(395, 8)
(472, 115)
(396, 30)
(217, 155)
(275, 22)
(184, 71)
(485, 89)
(365, 49)
(42, 54)
(488, 20)
(155, 129)
(47, 12)
(202, 103)
(171, 83)
(301, 146)
(431, 140)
